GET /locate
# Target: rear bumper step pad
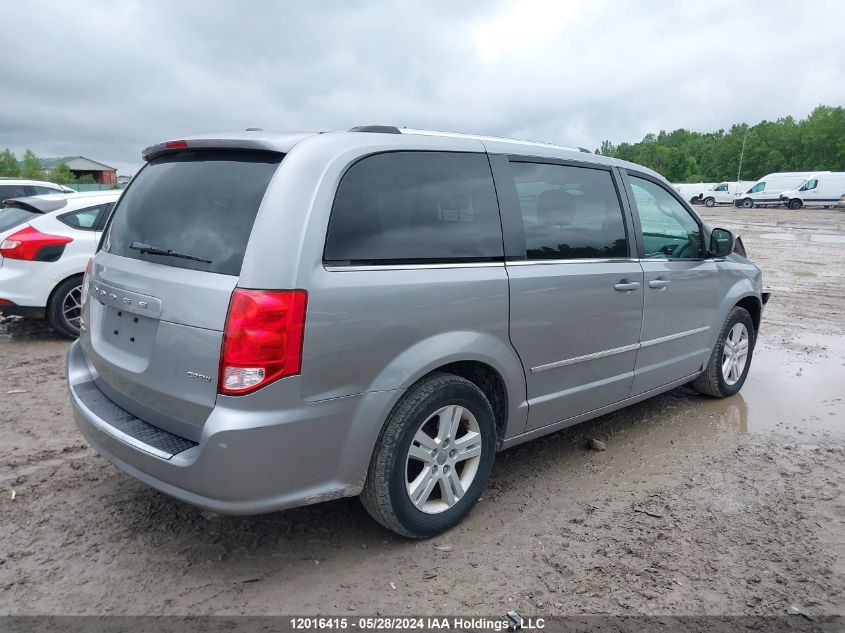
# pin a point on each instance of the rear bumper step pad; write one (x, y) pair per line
(100, 405)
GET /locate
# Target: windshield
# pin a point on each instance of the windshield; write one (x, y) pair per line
(10, 217)
(197, 203)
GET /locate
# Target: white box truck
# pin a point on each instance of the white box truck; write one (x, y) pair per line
(823, 189)
(723, 192)
(767, 190)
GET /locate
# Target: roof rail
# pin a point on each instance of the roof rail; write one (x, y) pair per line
(585, 150)
(381, 129)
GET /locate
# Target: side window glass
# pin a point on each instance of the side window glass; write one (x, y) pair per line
(722, 188)
(415, 207)
(40, 191)
(760, 186)
(13, 191)
(84, 219)
(669, 231)
(810, 184)
(569, 212)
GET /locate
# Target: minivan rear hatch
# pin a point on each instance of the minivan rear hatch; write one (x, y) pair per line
(161, 284)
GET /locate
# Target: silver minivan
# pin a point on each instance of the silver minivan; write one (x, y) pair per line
(278, 320)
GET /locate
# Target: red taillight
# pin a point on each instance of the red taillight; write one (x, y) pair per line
(262, 341)
(176, 144)
(28, 242)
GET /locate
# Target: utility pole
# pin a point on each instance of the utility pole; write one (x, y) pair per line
(741, 153)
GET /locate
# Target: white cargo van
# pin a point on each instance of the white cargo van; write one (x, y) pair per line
(723, 192)
(690, 191)
(820, 189)
(767, 190)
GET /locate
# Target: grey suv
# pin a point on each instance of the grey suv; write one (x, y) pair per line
(274, 321)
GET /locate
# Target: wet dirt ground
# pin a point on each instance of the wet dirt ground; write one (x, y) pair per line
(698, 506)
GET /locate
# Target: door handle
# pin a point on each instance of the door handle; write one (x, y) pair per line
(626, 286)
(660, 284)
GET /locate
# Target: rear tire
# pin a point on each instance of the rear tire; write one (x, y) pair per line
(64, 311)
(747, 203)
(419, 482)
(709, 202)
(723, 378)
(795, 204)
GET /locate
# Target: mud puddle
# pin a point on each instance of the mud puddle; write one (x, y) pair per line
(805, 237)
(16, 328)
(795, 387)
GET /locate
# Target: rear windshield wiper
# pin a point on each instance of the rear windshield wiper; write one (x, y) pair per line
(155, 250)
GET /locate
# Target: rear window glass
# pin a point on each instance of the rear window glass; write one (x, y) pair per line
(197, 203)
(415, 207)
(10, 217)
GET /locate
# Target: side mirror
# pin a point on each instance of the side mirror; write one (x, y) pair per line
(722, 243)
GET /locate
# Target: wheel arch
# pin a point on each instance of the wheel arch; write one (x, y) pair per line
(483, 359)
(59, 283)
(754, 307)
(743, 298)
(491, 383)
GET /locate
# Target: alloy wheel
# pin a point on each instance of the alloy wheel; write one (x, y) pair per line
(443, 459)
(72, 307)
(735, 354)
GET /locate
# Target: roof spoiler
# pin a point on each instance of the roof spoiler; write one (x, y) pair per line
(35, 204)
(205, 143)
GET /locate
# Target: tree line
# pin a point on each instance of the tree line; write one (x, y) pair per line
(816, 143)
(30, 167)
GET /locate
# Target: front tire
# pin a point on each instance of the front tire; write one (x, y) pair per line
(709, 202)
(433, 457)
(747, 203)
(731, 357)
(65, 309)
(795, 204)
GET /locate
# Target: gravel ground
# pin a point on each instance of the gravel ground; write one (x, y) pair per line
(696, 507)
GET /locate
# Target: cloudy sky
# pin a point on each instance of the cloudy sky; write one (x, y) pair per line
(105, 79)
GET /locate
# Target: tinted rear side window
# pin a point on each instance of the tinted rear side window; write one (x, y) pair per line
(10, 217)
(569, 212)
(415, 207)
(200, 203)
(13, 191)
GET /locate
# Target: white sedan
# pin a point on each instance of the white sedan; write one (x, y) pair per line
(45, 244)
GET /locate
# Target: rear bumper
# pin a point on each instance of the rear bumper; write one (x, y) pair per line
(24, 287)
(246, 462)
